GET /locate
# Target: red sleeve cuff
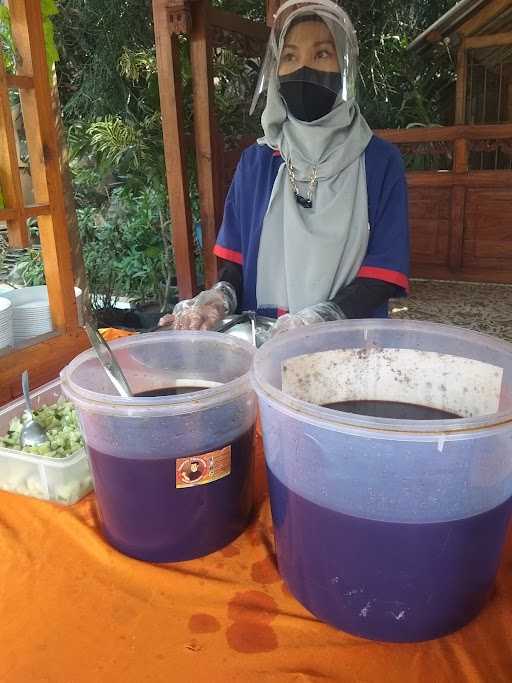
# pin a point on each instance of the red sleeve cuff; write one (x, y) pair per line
(386, 275)
(228, 254)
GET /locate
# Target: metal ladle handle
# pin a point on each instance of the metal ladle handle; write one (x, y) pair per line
(237, 319)
(26, 393)
(109, 363)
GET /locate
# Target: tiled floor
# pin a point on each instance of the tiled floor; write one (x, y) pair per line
(482, 307)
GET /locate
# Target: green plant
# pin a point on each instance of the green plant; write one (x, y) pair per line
(397, 88)
(126, 248)
(99, 249)
(29, 270)
(6, 42)
(3, 251)
(49, 9)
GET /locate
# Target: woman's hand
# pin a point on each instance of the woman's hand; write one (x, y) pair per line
(312, 315)
(203, 312)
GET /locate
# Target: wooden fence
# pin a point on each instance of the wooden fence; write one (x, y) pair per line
(461, 217)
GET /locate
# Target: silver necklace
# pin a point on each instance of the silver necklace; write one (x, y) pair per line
(305, 202)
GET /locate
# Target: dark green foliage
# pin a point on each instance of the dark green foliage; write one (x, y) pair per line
(109, 88)
(397, 89)
(126, 247)
(28, 270)
(92, 35)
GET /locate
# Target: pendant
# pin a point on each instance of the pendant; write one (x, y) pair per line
(303, 201)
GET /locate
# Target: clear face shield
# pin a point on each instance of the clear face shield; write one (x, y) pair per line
(312, 53)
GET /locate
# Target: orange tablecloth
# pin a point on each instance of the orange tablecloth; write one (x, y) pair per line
(112, 333)
(75, 610)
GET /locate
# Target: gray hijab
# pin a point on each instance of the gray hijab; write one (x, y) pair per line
(307, 254)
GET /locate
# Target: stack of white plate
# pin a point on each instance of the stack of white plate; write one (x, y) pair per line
(31, 319)
(31, 312)
(6, 334)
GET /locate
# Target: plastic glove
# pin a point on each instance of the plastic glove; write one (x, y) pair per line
(319, 313)
(204, 311)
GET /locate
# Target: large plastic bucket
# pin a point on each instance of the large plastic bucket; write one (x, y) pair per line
(388, 529)
(172, 474)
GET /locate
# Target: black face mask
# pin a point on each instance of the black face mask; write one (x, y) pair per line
(309, 93)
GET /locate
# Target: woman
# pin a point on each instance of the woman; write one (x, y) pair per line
(315, 223)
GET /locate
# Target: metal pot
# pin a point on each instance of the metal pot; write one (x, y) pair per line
(240, 326)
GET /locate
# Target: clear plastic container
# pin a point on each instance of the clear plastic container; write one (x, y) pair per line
(172, 474)
(389, 529)
(61, 480)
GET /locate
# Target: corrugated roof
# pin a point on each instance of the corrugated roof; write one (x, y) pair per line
(449, 22)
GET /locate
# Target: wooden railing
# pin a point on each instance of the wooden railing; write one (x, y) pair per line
(461, 218)
(458, 142)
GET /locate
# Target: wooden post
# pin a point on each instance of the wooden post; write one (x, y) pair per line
(458, 205)
(77, 260)
(167, 27)
(461, 86)
(460, 156)
(204, 132)
(10, 182)
(457, 228)
(271, 8)
(44, 151)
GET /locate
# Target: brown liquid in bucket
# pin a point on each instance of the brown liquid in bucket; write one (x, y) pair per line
(170, 391)
(392, 409)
